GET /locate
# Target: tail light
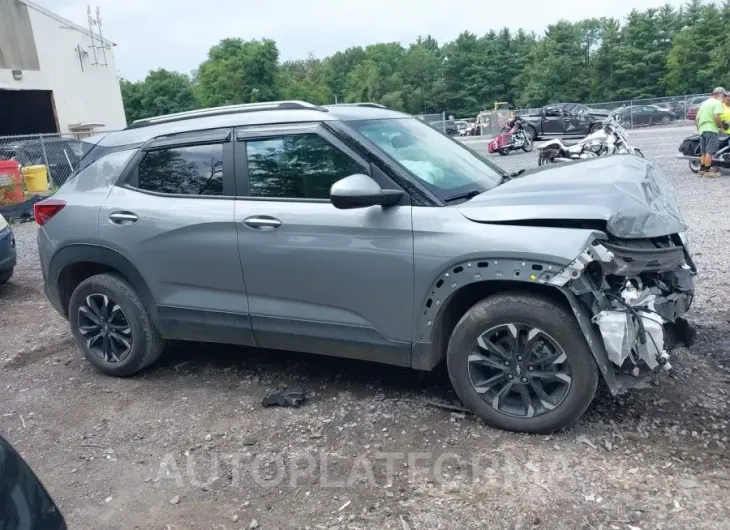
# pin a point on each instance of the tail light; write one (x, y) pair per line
(43, 211)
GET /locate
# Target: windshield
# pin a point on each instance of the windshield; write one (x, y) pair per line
(446, 166)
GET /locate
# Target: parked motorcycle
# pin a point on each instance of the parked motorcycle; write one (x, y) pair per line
(690, 150)
(610, 139)
(512, 137)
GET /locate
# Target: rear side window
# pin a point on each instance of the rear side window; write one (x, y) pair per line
(189, 170)
(302, 166)
(101, 173)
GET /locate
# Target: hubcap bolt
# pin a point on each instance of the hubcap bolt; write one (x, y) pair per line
(519, 357)
(524, 380)
(531, 368)
(509, 377)
(506, 363)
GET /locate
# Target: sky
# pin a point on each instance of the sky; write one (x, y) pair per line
(176, 34)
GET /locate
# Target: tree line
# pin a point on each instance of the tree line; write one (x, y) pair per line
(651, 53)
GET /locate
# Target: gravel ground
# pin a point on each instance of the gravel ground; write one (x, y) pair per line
(186, 444)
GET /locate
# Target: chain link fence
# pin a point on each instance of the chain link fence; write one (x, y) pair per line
(55, 154)
(438, 122)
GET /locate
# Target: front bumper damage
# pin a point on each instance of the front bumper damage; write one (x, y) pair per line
(629, 297)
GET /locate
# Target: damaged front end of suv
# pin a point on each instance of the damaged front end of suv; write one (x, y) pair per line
(636, 292)
(633, 279)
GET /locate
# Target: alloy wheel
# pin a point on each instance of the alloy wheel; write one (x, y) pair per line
(519, 370)
(105, 328)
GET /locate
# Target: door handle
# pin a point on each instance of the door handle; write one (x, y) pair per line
(123, 218)
(262, 222)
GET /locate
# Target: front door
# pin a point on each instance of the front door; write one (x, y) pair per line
(319, 279)
(171, 216)
(553, 121)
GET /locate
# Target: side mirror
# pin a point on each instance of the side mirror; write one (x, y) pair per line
(360, 191)
(24, 502)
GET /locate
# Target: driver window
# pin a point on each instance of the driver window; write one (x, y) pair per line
(552, 111)
(301, 166)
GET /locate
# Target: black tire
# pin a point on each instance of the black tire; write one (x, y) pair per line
(146, 343)
(529, 144)
(666, 120)
(505, 151)
(542, 160)
(694, 166)
(531, 132)
(5, 276)
(557, 324)
(594, 128)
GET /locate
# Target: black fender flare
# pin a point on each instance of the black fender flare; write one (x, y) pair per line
(529, 271)
(76, 253)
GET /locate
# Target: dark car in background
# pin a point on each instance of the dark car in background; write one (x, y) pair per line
(643, 115)
(677, 107)
(449, 127)
(61, 155)
(563, 119)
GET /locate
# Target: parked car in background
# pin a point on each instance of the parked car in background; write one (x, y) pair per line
(693, 105)
(643, 115)
(676, 107)
(563, 119)
(7, 251)
(362, 232)
(62, 155)
(449, 127)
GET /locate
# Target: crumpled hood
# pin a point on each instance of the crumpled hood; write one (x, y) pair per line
(629, 193)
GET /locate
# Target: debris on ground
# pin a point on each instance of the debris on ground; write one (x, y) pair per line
(447, 406)
(283, 397)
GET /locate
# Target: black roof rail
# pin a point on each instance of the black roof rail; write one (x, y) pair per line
(228, 109)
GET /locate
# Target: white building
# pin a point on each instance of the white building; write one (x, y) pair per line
(55, 76)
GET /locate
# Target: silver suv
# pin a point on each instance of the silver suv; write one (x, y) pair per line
(357, 231)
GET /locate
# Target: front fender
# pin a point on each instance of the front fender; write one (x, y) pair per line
(427, 349)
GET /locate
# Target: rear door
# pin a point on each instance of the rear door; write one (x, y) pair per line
(319, 279)
(171, 216)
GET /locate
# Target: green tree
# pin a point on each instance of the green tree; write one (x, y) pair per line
(238, 71)
(304, 80)
(698, 60)
(161, 92)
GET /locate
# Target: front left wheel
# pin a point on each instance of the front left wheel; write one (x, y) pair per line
(521, 363)
(111, 326)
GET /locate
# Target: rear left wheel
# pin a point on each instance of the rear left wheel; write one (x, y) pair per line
(111, 326)
(5, 276)
(521, 363)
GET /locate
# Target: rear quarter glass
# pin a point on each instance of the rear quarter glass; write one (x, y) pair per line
(101, 173)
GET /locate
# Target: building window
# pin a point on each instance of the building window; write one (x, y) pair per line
(191, 170)
(300, 166)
